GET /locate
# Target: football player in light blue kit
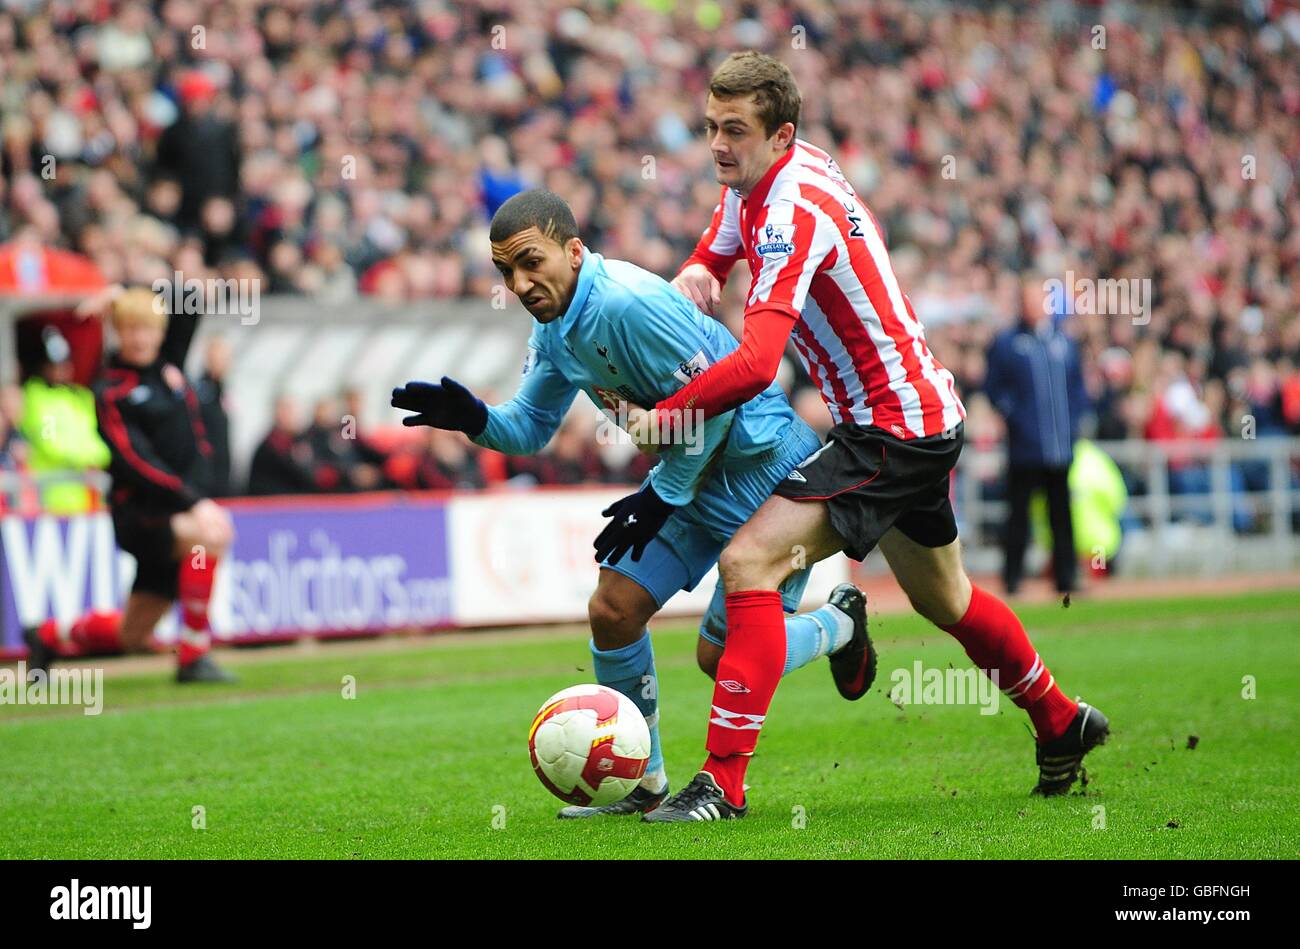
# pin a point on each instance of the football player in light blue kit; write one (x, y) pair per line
(623, 335)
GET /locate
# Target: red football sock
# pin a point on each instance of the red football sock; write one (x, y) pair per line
(194, 588)
(96, 632)
(48, 633)
(729, 773)
(995, 640)
(747, 677)
(99, 631)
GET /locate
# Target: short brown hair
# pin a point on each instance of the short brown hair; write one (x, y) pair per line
(766, 78)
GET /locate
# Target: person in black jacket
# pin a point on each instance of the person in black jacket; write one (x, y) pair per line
(1034, 380)
(160, 498)
(338, 462)
(282, 462)
(200, 150)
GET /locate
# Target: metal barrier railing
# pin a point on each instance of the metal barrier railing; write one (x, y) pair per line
(1193, 506)
(21, 491)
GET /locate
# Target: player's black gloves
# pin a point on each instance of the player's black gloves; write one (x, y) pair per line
(449, 406)
(637, 519)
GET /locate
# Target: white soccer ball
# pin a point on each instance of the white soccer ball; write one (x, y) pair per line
(589, 745)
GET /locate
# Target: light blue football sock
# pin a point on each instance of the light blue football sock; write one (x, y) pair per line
(631, 670)
(810, 636)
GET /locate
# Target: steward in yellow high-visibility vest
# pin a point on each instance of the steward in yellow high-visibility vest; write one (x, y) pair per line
(59, 423)
(1098, 497)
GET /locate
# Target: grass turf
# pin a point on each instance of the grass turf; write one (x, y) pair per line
(430, 759)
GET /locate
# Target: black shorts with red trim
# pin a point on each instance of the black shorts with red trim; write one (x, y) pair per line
(871, 481)
(147, 536)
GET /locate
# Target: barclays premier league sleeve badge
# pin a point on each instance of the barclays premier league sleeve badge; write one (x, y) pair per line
(775, 241)
(687, 370)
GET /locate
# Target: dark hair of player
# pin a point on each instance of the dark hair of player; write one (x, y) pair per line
(539, 208)
(768, 79)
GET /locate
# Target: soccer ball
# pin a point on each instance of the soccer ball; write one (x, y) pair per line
(589, 745)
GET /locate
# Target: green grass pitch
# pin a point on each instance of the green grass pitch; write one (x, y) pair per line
(430, 759)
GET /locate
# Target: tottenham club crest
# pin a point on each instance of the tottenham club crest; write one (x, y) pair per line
(776, 241)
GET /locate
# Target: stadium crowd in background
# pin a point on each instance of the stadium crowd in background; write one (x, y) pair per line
(322, 457)
(337, 150)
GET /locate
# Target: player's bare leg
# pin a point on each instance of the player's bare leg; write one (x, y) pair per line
(619, 610)
(143, 612)
(781, 536)
(132, 631)
(993, 636)
(933, 578)
(202, 536)
(707, 657)
(800, 533)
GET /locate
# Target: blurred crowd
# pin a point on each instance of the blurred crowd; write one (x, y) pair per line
(338, 150)
(48, 428)
(335, 453)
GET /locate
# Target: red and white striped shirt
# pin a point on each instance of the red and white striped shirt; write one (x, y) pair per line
(817, 257)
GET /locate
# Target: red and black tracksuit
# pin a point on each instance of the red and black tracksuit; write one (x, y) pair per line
(151, 420)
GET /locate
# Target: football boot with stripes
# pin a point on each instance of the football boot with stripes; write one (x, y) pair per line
(702, 799)
(1059, 760)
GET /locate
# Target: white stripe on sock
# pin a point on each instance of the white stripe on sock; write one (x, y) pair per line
(1027, 681)
(194, 637)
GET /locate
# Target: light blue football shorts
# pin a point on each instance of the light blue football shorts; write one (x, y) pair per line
(690, 542)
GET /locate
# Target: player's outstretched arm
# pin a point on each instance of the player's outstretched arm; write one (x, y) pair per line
(776, 301)
(520, 426)
(525, 423)
(638, 518)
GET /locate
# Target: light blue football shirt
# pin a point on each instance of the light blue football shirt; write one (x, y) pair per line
(628, 336)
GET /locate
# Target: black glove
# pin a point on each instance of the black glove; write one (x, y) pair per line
(449, 406)
(637, 519)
